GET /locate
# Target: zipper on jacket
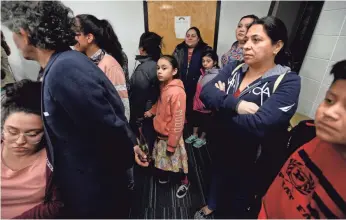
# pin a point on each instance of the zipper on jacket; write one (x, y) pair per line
(248, 88)
(187, 71)
(188, 64)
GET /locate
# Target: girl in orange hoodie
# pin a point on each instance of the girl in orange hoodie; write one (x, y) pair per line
(169, 152)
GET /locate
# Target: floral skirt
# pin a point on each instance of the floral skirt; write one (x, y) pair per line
(174, 163)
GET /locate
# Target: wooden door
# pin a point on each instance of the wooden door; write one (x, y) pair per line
(161, 20)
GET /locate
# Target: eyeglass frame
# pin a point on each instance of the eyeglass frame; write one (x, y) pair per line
(25, 135)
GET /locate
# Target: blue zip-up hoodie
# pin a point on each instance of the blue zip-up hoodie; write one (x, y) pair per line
(244, 133)
(90, 144)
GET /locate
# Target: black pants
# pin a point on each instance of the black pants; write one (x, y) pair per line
(189, 107)
(201, 120)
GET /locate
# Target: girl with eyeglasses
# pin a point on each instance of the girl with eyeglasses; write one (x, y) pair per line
(27, 189)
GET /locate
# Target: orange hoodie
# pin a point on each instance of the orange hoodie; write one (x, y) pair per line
(169, 112)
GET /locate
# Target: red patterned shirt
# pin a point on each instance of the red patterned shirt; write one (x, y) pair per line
(311, 184)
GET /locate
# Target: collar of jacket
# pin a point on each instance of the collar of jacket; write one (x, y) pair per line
(173, 83)
(143, 58)
(98, 56)
(213, 70)
(276, 70)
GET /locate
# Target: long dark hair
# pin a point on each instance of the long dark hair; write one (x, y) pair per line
(174, 63)
(105, 37)
(151, 44)
(276, 30)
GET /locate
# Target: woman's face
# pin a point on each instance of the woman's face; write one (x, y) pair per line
(165, 70)
(191, 38)
(242, 28)
(258, 46)
(83, 41)
(22, 132)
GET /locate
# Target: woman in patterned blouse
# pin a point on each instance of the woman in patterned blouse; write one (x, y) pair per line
(236, 51)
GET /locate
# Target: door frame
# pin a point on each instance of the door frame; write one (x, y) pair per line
(217, 21)
(304, 26)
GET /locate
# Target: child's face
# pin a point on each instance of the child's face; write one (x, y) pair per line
(207, 62)
(330, 118)
(165, 70)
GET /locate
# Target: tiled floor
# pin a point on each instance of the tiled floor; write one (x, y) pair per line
(154, 200)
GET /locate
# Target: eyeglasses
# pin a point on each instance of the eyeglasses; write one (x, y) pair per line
(30, 137)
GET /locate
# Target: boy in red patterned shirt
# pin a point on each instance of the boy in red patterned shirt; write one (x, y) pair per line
(311, 184)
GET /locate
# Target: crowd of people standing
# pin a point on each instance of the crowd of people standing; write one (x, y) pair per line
(71, 138)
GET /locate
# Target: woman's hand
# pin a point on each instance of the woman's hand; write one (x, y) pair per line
(245, 107)
(220, 85)
(148, 114)
(140, 157)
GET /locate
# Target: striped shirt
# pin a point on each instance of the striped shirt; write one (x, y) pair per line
(311, 184)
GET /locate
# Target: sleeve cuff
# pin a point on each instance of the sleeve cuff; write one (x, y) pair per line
(170, 148)
(231, 103)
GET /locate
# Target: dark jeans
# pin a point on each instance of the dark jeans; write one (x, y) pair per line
(213, 197)
(234, 193)
(233, 181)
(189, 107)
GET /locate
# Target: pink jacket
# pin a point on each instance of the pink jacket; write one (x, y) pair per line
(170, 112)
(206, 76)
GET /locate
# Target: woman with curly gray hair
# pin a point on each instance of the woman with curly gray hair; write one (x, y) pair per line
(89, 141)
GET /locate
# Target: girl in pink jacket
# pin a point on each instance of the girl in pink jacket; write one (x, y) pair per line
(201, 116)
(169, 152)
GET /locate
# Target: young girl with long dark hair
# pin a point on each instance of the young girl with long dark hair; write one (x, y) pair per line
(169, 152)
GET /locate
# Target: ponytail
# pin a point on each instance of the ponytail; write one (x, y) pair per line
(104, 35)
(110, 42)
